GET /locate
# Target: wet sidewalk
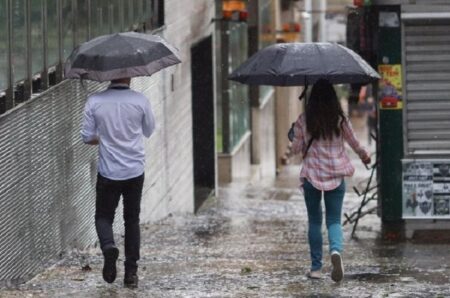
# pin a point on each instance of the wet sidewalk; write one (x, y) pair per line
(251, 241)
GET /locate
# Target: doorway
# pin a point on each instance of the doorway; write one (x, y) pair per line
(203, 121)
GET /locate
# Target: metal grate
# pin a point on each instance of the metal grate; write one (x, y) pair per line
(47, 181)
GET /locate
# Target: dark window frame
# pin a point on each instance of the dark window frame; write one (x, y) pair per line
(19, 91)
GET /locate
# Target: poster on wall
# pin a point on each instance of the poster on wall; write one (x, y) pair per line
(390, 86)
(426, 188)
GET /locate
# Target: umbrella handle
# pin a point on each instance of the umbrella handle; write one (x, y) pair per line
(303, 95)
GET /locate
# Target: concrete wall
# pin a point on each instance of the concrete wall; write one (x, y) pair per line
(263, 140)
(185, 26)
(236, 165)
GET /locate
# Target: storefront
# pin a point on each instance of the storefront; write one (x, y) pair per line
(410, 43)
(246, 114)
(426, 123)
(233, 106)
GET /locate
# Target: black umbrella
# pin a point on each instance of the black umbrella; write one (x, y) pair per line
(296, 64)
(120, 55)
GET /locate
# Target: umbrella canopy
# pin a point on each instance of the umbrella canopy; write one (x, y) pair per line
(120, 55)
(295, 64)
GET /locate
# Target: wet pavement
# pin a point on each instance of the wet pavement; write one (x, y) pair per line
(251, 241)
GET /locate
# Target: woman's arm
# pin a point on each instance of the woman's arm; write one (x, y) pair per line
(350, 138)
(299, 140)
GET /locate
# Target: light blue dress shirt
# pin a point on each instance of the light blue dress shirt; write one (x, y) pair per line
(118, 118)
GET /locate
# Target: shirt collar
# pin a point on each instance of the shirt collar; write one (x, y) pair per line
(118, 86)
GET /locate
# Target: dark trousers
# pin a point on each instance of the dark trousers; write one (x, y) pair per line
(108, 196)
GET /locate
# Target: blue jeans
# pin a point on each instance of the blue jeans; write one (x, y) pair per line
(333, 208)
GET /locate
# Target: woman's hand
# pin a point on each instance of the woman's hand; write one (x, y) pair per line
(291, 133)
(366, 160)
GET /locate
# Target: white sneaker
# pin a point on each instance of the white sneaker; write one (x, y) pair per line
(315, 274)
(337, 273)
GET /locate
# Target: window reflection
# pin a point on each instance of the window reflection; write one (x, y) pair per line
(239, 101)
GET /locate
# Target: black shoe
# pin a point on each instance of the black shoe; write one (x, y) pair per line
(130, 280)
(109, 266)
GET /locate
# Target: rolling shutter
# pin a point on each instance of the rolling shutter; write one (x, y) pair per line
(426, 46)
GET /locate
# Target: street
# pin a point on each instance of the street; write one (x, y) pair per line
(251, 241)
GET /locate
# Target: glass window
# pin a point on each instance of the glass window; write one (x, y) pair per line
(147, 12)
(82, 21)
(19, 59)
(106, 23)
(116, 25)
(94, 20)
(267, 35)
(3, 47)
(52, 33)
(67, 27)
(99, 19)
(125, 14)
(239, 102)
(129, 18)
(138, 11)
(37, 45)
(157, 13)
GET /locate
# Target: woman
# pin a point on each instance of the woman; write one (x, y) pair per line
(319, 134)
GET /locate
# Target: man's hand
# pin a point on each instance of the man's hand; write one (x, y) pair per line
(92, 142)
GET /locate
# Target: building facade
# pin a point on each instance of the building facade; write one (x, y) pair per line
(408, 41)
(47, 186)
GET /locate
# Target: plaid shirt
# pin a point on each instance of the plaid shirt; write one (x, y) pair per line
(326, 162)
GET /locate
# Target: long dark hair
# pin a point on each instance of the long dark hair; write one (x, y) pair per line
(324, 115)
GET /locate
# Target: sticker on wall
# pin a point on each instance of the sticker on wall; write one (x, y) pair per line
(390, 86)
(426, 188)
(389, 19)
(442, 205)
(417, 189)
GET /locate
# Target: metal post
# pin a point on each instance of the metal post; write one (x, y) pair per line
(121, 15)
(29, 76)
(44, 73)
(59, 66)
(154, 17)
(139, 10)
(111, 17)
(130, 13)
(75, 21)
(225, 87)
(9, 103)
(100, 19)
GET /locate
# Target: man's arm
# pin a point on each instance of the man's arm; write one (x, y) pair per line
(89, 127)
(148, 121)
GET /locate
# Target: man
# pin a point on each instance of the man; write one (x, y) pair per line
(116, 120)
